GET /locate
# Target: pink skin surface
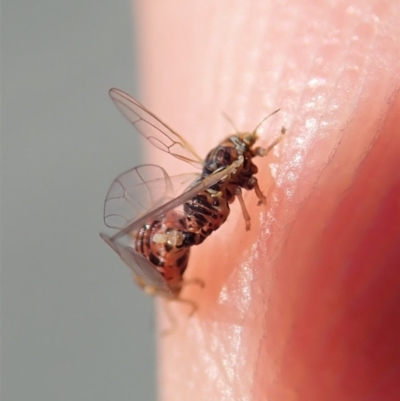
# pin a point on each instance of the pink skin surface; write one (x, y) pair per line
(305, 306)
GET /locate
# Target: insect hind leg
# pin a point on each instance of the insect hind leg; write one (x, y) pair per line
(195, 281)
(173, 323)
(192, 304)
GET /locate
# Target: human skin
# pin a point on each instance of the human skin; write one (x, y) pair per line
(306, 305)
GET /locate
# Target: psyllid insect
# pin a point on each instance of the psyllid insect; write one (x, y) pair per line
(160, 217)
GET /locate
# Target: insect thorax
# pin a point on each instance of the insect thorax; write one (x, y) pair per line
(208, 210)
(227, 152)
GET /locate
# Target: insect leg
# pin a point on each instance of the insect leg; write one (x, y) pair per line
(238, 193)
(171, 317)
(264, 151)
(196, 281)
(253, 184)
(192, 304)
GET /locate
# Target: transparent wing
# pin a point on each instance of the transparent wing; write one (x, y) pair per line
(121, 243)
(143, 270)
(152, 128)
(196, 187)
(140, 190)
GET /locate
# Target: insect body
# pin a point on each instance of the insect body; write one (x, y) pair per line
(145, 204)
(142, 204)
(208, 210)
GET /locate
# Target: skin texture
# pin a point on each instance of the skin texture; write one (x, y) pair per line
(306, 305)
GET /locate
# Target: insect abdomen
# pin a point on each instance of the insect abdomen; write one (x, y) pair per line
(205, 213)
(169, 259)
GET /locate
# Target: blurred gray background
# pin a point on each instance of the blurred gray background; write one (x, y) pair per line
(73, 324)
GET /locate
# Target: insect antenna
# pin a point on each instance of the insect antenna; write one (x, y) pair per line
(264, 119)
(230, 121)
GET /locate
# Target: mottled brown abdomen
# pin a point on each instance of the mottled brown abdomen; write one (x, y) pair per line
(205, 213)
(169, 259)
